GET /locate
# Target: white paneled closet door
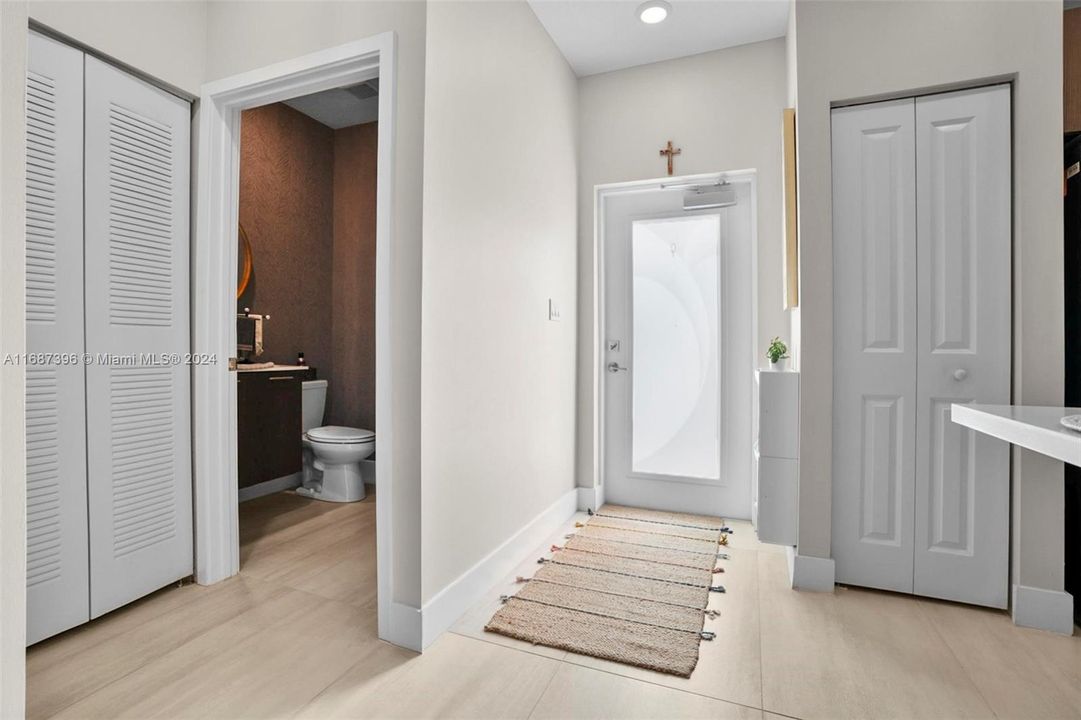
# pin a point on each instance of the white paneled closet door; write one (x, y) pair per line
(874, 357)
(963, 271)
(921, 273)
(57, 576)
(139, 437)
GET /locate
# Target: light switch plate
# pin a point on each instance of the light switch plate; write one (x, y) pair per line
(553, 310)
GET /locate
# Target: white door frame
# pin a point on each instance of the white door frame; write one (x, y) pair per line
(214, 416)
(600, 194)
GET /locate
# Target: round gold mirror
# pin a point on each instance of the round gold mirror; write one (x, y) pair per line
(244, 263)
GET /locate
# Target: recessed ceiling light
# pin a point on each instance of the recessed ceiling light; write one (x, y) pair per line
(653, 12)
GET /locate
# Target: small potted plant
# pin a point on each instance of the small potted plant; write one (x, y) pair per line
(777, 352)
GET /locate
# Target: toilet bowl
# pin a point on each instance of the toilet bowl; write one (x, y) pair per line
(332, 453)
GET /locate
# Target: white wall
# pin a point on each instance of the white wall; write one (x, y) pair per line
(856, 50)
(724, 110)
(499, 240)
(791, 77)
(243, 36)
(12, 341)
(166, 40)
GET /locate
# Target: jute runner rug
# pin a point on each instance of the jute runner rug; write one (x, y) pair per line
(631, 586)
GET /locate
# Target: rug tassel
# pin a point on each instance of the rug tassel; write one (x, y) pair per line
(579, 524)
(504, 598)
(521, 579)
(727, 529)
(713, 614)
(707, 635)
(589, 511)
(555, 548)
(723, 540)
(718, 570)
(717, 588)
(541, 561)
(722, 556)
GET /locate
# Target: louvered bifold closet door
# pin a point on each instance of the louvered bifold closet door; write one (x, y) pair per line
(138, 409)
(57, 575)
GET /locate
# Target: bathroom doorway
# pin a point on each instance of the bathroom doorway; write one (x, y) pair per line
(306, 340)
(365, 70)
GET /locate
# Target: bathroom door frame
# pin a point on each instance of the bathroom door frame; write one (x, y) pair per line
(214, 425)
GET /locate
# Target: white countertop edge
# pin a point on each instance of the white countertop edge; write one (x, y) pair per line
(1032, 427)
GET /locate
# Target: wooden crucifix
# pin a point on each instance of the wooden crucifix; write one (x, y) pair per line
(671, 152)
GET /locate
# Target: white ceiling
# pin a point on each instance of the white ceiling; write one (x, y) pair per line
(341, 107)
(601, 35)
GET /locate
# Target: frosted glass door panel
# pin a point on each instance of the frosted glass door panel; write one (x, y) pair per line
(676, 415)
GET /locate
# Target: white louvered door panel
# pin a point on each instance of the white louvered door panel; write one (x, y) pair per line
(57, 569)
(139, 438)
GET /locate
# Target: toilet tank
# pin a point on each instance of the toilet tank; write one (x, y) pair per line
(313, 403)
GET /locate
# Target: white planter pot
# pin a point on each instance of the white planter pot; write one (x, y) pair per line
(780, 365)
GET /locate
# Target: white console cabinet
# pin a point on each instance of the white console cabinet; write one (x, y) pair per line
(776, 461)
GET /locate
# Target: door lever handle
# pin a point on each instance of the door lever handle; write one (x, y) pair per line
(614, 367)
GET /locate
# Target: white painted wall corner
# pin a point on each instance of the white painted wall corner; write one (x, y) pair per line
(444, 609)
(1043, 609)
(806, 572)
(403, 626)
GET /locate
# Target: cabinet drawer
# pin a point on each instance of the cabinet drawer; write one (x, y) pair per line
(777, 500)
(778, 414)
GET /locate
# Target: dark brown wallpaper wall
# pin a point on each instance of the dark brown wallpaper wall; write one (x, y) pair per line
(353, 292)
(307, 202)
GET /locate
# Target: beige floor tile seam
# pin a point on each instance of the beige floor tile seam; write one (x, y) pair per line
(152, 618)
(137, 668)
(971, 680)
(326, 687)
(492, 641)
(568, 661)
(313, 525)
(542, 693)
(761, 663)
(273, 542)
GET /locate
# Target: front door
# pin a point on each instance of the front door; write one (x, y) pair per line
(678, 357)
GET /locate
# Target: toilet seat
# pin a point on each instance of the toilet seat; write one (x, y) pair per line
(339, 435)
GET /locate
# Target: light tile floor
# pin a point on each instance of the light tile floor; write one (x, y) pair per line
(294, 635)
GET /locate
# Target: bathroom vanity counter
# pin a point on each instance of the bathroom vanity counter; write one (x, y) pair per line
(1031, 427)
(273, 368)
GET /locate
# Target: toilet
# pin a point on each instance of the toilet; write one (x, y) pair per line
(332, 453)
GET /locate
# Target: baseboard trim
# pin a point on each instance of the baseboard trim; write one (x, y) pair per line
(402, 627)
(590, 498)
(450, 603)
(806, 572)
(1050, 610)
(286, 482)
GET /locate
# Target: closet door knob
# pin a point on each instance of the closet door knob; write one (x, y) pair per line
(960, 374)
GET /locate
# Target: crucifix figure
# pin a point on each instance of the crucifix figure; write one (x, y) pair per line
(671, 152)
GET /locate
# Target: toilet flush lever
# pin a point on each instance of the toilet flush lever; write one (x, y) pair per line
(614, 367)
